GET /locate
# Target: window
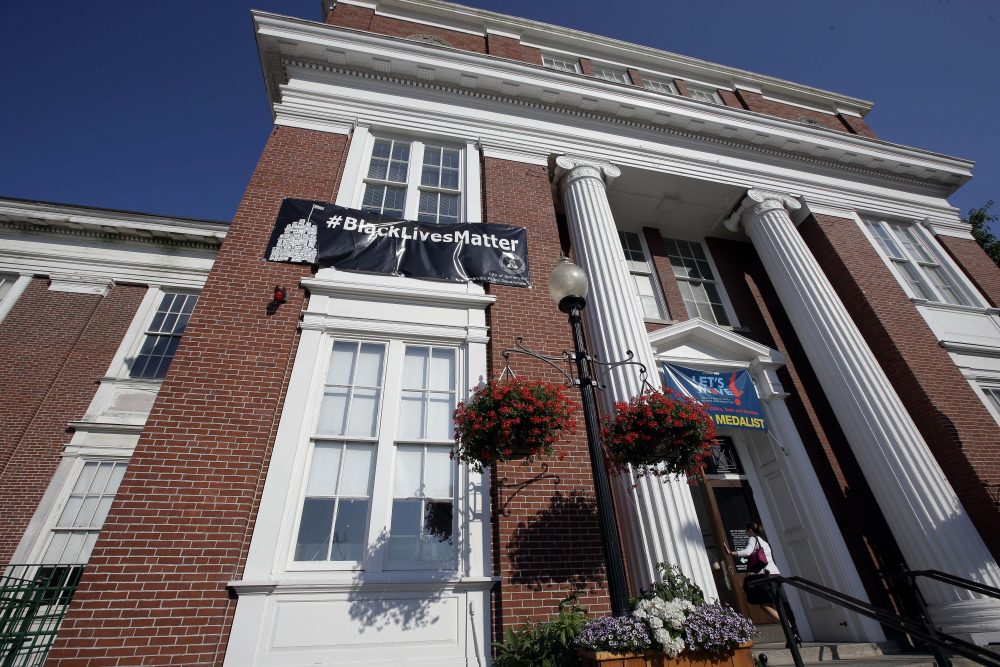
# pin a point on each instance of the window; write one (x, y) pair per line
(659, 86)
(993, 397)
(163, 335)
(919, 267)
(696, 281)
(643, 277)
(612, 74)
(561, 64)
(75, 531)
(704, 94)
(369, 387)
(391, 181)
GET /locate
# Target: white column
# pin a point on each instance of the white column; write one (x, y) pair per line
(657, 517)
(927, 520)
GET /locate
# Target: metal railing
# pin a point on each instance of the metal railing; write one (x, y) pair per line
(33, 600)
(922, 630)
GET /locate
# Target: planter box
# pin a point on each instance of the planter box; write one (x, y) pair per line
(741, 657)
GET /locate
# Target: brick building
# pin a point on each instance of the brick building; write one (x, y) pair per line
(258, 490)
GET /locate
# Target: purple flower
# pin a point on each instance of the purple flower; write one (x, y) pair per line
(716, 628)
(618, 634)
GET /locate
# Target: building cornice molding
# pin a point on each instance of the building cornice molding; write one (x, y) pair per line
(482, 22)
(401, 62)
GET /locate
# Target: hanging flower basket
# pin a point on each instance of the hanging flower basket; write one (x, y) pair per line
(658, 433)
(511, 418)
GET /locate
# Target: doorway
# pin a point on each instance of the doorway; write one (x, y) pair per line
(724, 503)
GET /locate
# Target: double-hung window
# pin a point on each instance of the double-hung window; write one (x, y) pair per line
(414, 179)
(79, 521)
(7, 281)
(163, 335)
(561, 63)
(659, 86)
(611, 74)
(916, 263)
(696, 281)
(704, 94)
(644, 278)
(384, 406)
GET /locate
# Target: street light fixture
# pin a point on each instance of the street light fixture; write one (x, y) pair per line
(568, 286)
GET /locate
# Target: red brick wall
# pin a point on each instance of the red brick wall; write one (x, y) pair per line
(731, 99)
(636, 77)
(757, 102)
(976, 264)
(55, 346)
(759, 310)
(361, 18)
(545, 526)
(952, 418)
(155, 589)
(857, 126)
(507, 47)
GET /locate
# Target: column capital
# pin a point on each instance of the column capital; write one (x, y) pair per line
(570, 168)
(760, 201)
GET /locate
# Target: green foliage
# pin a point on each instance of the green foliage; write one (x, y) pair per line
(673, 586)
(548, 644)
(980, 219)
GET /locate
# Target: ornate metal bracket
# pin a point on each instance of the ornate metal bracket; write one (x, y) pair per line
(597, 370)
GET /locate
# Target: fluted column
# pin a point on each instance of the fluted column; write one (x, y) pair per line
(657, 517)
(927, 520)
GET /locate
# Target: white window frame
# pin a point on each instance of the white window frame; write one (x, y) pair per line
(716, 281)
(352, 188)
(613, 74)
(704, 94)
(14, 285)
(385, 441)
(649, 273)
(561, 63)
(121, 365)
(965, 293)
(659, 85)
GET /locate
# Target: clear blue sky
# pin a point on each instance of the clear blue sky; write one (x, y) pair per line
(160, 107)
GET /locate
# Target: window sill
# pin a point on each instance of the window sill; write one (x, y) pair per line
(382, 582)
(937, 305)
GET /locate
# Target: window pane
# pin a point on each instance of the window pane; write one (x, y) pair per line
(349, 531)
(324, 470)
(943, 284)
(315, 529)
(406, 482)
(415, 367)
(438, 522)
(85, 519)
(103, 507)
(333, 411)
(908, 238)
(86, 477)
(411, 415)
(357, 477)
(885, 240)
(438, 473)
(404, 530)
(439, 416)
(341, 363)
(443, 370)
(68, 517)
(364, 412)
(53, 553)
(915, 280)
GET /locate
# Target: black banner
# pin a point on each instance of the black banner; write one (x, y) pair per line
(312, 232)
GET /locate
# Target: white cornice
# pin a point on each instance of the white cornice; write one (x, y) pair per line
(479, 21)
(503, 82)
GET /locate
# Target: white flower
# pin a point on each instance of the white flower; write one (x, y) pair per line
(655, 623)
(640, 614)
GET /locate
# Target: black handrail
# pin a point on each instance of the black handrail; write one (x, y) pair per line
(938, 575)
(937, 640)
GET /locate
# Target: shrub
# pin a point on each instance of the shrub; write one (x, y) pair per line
(548, 644)
(673, 586)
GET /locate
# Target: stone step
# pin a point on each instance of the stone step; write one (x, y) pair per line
(855, 653)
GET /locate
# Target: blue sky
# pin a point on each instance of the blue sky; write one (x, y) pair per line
(160, 107)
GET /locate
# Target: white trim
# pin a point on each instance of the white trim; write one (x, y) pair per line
(13, 294)
(79, 284)
(779, 100)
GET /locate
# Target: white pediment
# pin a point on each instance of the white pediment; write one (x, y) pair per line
(706, 345)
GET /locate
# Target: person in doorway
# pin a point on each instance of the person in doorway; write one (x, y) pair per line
(762, 595)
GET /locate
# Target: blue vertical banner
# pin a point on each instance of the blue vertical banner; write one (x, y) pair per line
(729, 396)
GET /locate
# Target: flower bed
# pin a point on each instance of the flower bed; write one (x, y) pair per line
(742, 656)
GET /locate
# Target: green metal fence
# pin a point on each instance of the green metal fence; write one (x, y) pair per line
(33, 601)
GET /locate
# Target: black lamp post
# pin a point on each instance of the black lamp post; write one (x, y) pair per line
(568, 287)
